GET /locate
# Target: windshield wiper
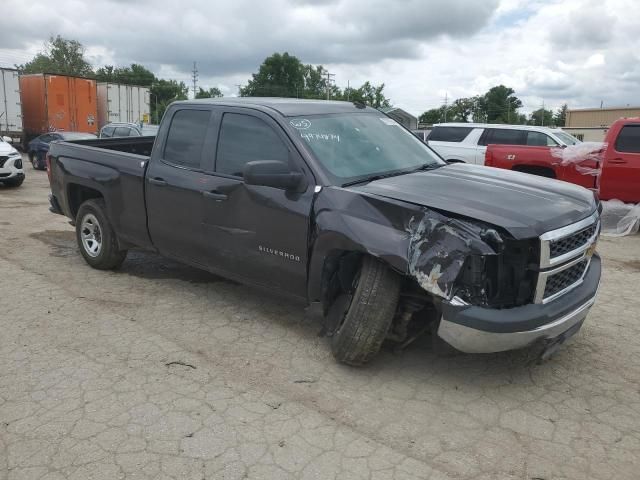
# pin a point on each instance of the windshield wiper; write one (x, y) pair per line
(376, 177)
(421, 168)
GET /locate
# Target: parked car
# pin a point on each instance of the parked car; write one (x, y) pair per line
(39, 146)
(618, 164)
(128, 130)
(335, 204)
(467, 142)
(11, 172)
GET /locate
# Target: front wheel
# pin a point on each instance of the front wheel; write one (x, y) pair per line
(96, 238)
(367, 322)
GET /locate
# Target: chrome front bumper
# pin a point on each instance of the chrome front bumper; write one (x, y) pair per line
(474, 329)
(470, 340)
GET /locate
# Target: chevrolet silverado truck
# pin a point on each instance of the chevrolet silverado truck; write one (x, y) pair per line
(336, 204)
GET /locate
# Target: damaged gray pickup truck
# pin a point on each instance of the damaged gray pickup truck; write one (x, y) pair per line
(337, 204)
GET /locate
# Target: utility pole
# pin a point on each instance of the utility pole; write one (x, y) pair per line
(239, 89)
(194, 77)
(329, 75)
(446, 100)
(542, 120)
(348, 91)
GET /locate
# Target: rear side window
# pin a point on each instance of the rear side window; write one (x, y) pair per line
(503, 136)
(107, 132)
(629, 139)
(186, 137)
(449, 134)
(540, 139)
(244, 138)
(121, 132)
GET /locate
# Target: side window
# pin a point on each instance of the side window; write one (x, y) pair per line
(121, 132)
(244, 138)
(540, 139)
(629, 139)
(449, 134)
(46, 138)
(503, 136)
(107, 132)
(186, 137)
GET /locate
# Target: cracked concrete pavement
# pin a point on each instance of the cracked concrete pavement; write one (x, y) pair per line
(161, 371)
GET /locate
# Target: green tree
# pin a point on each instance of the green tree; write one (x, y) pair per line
(213, 92)
(371, 95)
(61, 56)
(280, 75)
(163, 92)
(560, 117)
(133, 75)
(541, 117)
(435, 115)
(500, 105)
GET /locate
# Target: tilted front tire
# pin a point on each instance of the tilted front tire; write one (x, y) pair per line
(96, 239)
(367, 322)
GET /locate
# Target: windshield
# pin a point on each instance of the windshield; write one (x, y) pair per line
(566, 138)
(355, 146)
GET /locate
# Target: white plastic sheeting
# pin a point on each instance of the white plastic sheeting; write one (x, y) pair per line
(619, 218)
(580, 153)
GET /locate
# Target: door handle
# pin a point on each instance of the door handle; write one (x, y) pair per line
(617, 160)
(218, 197)
(161, 182)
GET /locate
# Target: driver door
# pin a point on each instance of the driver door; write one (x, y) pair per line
(256, 233)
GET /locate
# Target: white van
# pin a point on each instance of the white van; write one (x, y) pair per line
(467, 142)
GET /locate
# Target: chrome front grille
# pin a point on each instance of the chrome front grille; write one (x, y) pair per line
(565, 278)
(568, 244)
(565, 255)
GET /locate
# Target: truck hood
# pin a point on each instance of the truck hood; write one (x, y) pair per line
(525, 205)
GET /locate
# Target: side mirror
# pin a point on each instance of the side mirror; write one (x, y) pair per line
(272, 173)
(7, 139)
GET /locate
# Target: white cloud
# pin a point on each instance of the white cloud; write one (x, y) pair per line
(578, 51)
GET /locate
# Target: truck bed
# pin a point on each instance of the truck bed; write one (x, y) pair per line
(110, 168)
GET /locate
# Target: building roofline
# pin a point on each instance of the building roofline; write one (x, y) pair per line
(597, 109)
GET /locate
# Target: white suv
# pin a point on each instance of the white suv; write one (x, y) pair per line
(467, 142)
(11, 172)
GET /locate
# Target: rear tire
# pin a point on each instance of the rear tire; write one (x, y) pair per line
(365, 326)
(95, 236)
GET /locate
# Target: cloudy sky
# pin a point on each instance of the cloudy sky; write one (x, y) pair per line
(582, 52)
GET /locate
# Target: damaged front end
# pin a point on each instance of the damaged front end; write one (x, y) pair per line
(471, 261)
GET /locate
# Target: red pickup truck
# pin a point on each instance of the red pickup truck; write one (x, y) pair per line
(613, 169)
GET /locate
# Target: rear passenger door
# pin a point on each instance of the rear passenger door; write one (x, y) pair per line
(621, 170)
(256, 233)
(174, 184)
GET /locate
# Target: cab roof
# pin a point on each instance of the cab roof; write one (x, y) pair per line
(288, 107)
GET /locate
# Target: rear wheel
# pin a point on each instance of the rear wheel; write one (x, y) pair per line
(359, 336)
(96, 238)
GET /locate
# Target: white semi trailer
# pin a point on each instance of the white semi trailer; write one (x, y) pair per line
(122, 103)
(10, 106)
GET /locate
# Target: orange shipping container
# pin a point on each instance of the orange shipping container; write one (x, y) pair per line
(58, 103)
